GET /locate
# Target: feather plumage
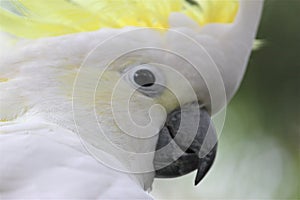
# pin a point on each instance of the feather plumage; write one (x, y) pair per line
(35, 18)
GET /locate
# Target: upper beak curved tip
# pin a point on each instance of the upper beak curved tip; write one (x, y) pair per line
(205, 164)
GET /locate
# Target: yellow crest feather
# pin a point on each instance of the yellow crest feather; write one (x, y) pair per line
(36, 18)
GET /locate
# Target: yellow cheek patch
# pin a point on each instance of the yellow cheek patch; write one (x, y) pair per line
(3, 80)
(37, 18)
(89, 85)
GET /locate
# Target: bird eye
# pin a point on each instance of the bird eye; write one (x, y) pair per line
(144, 78)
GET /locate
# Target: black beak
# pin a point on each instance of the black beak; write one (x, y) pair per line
(187, 142)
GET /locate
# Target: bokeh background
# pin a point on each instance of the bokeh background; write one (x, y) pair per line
(259, 148)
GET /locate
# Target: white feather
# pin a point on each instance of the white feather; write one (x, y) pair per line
(41, 160)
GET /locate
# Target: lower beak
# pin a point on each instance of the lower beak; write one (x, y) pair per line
(187, 142)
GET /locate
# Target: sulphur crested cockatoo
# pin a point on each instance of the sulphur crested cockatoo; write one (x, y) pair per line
(99, 97)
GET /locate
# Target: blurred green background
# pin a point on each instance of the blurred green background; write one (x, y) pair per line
(259, 149)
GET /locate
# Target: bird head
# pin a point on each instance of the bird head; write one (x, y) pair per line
(134, 79)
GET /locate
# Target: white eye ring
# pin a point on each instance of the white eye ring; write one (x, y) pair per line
(146, 78)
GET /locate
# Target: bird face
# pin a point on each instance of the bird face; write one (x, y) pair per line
(187, 140)
(145, 106)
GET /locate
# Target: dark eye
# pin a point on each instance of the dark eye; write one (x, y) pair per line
(144, 78)
(147, 79)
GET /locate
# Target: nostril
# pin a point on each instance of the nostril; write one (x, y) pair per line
(189, 151)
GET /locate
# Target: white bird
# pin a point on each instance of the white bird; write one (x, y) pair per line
(91, 98)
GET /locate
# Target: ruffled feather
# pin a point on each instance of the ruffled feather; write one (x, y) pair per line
(36, 18)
